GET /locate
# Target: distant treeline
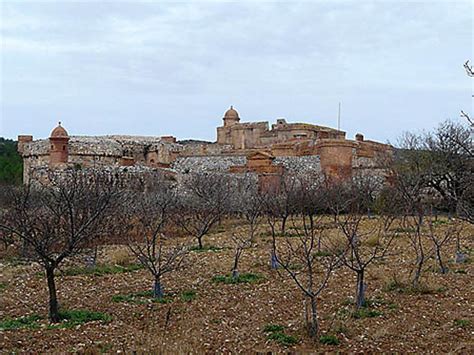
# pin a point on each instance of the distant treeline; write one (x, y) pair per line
(11, 164)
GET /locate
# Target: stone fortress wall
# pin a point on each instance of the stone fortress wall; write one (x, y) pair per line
(240, 148)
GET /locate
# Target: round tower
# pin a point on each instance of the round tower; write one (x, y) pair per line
(58, 146)
(231, 117)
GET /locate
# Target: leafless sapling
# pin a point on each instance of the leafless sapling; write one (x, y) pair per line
(247, 204)
(150, 218)
(368, 238)
(58, 217)
(203, 201)
(296, 252)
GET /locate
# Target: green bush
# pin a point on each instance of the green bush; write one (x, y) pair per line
(205, 249)
(101, 269)
(243, 278)
(188, 296)
(140, 298)
(283, 339)
(462, 323)
(329, 339)
(366, 313)
(270, 328)
(29, 322)
(72, 318)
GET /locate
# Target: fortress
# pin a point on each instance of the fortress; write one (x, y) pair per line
(251, 147)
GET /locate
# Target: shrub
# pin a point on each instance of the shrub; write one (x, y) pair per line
(270, 328)
(76, 317)
(329, 339)
(205, 248)
(462, 323)
(243, 278)
(140, 298)
(29, 322)
(283, 339)
(100, 270)
(322, 253)
(79, 316)
(366, 313)
(188, 296)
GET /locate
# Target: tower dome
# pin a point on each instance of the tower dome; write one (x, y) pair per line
(231, 113)
(59, 132)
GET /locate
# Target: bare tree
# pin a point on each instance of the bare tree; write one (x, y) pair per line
(246, 203)
(367, 238)
(58, 218)
(368, 241)
(469, 70)
(440, 238)
(203, 201)
(150, 218)
(411, 187)
(296, 250)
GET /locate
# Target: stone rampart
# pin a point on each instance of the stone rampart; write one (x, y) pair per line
(207, 163)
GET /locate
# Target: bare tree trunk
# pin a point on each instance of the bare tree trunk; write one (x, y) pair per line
(459, 256)
(235, 271)
(199, 242)
(273, 261)
(419, 267)
(439, 258)
(360, 292)
(312, 318)
(157, 288)
(53, 299)
(421, 255)
(283, 224)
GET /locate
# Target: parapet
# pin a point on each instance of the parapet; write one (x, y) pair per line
(22, 140)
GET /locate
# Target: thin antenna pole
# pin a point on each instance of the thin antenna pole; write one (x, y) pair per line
(339, 118)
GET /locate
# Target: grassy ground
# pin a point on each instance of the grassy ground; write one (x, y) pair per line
(206, 311)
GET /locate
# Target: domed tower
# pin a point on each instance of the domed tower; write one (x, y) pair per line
(231, 117)
(58, 149)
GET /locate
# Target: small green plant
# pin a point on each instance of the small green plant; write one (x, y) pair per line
(329, 339)
(283, 339)
(140, 298)
(100, 270)
(340, 327)
(462, 323)
(276, 334)
(105, 348)
(439, 222)
(395, 285)
(30, 322)
(366, 313)
(322, 253)
(72, 318)
(243, 278)
(188, 296)
(3, 286)
(270, 328)
(205, 249)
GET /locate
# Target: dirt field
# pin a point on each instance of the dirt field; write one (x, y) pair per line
(232, 317)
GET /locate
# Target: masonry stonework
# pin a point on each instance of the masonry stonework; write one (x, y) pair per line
(241, 148)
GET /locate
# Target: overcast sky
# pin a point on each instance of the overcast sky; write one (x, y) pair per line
(159, 68)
